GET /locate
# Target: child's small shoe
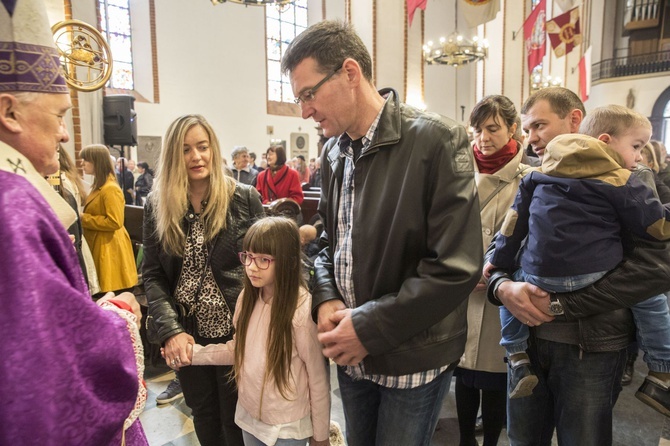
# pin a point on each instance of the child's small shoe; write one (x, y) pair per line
(522, 379)
(655, 392)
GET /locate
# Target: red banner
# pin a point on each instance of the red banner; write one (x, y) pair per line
(411, 7)
(534, 35)
(564, 33)
(585, 75)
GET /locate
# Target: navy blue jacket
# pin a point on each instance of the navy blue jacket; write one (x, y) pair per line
(573, 210)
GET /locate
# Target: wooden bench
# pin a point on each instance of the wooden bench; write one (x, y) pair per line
(312, 193)
(309, 208)
(133, 221)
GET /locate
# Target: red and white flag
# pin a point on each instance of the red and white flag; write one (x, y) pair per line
(411, 8)
(585, 75)
(534, 35)
(477, 12)
(564, 32)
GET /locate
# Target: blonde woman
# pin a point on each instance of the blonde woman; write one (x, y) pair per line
(194, 223)
(102, 221)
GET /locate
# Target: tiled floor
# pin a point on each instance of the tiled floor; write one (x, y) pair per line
(634, 423)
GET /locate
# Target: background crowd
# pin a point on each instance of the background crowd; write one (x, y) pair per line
(391, 287)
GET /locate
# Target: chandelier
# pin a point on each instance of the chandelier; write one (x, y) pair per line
(255, 2)
(456, 50)
(538, 81)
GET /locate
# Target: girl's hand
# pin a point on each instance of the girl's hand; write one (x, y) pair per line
(313, 442)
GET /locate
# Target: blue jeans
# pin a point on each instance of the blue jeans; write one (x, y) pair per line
(377, 415)
(514, 332)
(576, 393)
(652, 321)
(250, 440)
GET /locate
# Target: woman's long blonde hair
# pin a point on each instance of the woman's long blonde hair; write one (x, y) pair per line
(280, 238)
(171, 187)
(99, 156)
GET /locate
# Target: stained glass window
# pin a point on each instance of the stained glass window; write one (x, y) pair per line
(282, 25)
(115, 26)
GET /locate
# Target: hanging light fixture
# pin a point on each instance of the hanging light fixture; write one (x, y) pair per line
(278, 3)
(455, 50)
(538, 81)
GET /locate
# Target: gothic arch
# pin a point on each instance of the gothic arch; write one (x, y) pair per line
(657, 119)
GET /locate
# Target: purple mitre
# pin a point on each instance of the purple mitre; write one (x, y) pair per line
(29, 60)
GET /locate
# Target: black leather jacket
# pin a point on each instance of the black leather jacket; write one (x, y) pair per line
(605, 322)
(161, 271)
(416, 230)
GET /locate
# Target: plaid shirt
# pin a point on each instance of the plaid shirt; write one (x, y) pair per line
(344, 263)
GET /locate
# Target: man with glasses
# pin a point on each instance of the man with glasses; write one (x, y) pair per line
(401, 216)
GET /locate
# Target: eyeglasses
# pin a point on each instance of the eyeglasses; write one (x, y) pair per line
(262, 262)
(308, 96)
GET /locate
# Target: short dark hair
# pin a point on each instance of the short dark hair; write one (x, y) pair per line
(329, 43)
(561, 100)
(494, 106)
(280, 152)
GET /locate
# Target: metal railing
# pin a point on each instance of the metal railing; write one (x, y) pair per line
(631, 65)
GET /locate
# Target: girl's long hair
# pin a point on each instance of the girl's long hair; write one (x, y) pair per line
(171, 187)
(98, 155)
(278, 237)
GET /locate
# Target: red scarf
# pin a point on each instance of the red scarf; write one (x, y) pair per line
(495, 162)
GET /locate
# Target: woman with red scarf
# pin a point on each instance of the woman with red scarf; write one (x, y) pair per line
(482, 374)
(278, 180)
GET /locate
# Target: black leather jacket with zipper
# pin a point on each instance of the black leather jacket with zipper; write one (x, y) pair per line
(416, 239)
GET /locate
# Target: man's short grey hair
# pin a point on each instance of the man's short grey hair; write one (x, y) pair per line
(25, 97)
(237, 150)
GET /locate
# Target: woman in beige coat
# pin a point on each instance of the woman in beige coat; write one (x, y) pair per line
(482, 372)
(102, 221)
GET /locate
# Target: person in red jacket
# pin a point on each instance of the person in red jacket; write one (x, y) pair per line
(278, 180)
